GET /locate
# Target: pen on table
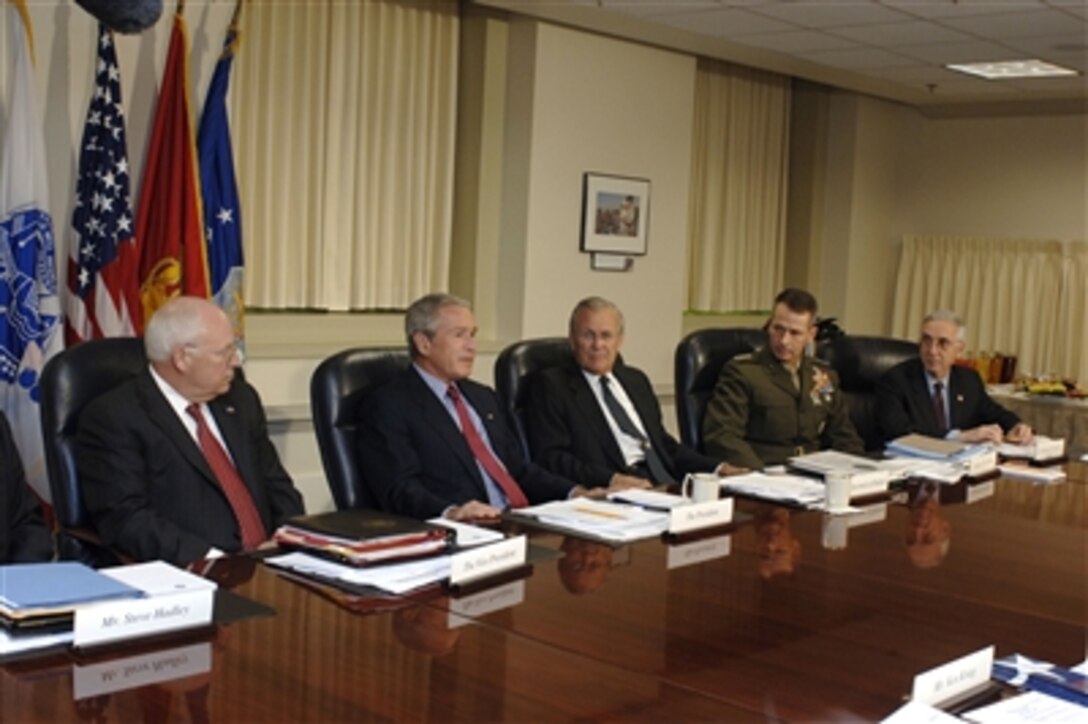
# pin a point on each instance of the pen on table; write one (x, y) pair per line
(601, 513)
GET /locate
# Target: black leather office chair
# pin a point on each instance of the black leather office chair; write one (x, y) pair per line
(69, 381)
(519, 360)
(337, 388)
(859, 362)
(699, 360)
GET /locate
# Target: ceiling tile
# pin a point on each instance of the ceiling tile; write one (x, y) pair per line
(860, 59)
(798, 41)
(824, 14)
(725, 23)
(1003, 25)
(912, 32)
(934, 9)
(968, 52)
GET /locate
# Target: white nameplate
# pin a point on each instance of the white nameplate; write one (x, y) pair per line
(684, 518)
(142, 670)
(487, 560)
(985, 462)
(688, 554)
(132, 618)
(1048, 448)
(463, 610)
(980, 491)
(948, 681)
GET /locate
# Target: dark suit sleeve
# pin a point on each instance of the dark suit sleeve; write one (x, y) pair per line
(986, 411)
(27, 537)
(114, 470)
(550, 431)
(680, 458)
(391, 462)
(284, 500)
(726, 422)
(892, 405)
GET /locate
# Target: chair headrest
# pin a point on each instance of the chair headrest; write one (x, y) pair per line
(521, 359)
(860, 360)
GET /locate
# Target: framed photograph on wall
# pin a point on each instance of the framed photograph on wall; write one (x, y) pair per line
(615, 214)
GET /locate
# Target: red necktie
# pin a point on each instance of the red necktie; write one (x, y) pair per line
(938, 407)
(249, 521)
(484, 455)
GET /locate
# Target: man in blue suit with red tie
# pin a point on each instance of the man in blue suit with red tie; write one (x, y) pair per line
(433, 442)
(933, 396)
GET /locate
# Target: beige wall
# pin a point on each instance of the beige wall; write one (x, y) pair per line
(1024, 177)
(581, 103)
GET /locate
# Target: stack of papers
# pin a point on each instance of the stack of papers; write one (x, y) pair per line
(1029, 708)
(867, 477)
(598, 518)
(943, 460)
(1044, 448)
(45, 595)
(467, 535)
(395, 578)
(652, 499)
(1035, 475)
(932, 448)
(362, 537)
(826, 461)
(793, 489)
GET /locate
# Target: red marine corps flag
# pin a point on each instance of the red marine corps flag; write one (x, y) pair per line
(169, 220)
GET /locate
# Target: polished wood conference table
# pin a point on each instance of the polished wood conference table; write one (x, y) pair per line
(791, 617)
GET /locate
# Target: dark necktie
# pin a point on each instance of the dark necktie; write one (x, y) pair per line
(938, 407)
(241, 502)
(483, 454)
(628, 427)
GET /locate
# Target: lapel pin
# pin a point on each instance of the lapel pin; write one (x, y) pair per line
(959, 398)
(229, 409)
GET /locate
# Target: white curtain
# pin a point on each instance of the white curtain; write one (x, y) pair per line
(1022, 297)
(737, 215)
(343, 120)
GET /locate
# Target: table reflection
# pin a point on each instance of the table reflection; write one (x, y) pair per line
(585, 564)
(426, 627)
(778, 550)
(929, 533)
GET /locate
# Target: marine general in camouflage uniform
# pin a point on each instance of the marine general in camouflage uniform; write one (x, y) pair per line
(777, 402)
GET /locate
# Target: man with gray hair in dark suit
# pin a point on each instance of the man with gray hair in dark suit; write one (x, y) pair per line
(933, 396)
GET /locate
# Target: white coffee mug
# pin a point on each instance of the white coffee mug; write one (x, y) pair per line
(838, 483)
(701, 487)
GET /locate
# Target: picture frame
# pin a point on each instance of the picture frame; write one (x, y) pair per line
(615, 214)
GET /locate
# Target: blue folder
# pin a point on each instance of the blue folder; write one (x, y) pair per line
(28, 586)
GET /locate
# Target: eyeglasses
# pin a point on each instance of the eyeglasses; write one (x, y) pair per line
(224, 355)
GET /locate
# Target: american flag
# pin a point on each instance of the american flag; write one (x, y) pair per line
(103, 291)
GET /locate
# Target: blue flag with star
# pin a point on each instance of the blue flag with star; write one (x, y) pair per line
(222, 213)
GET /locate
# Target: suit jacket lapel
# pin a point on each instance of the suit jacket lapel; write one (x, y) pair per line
(163, 415)
(434, 412)
(778, 374)
(921, 388)
(586, 402)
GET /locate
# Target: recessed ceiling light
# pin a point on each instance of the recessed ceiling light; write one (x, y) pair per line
(1012, 69)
